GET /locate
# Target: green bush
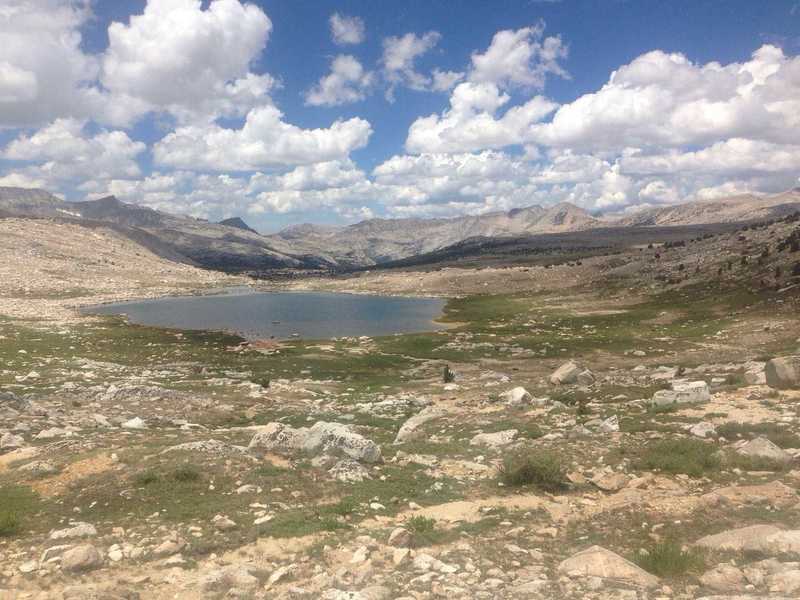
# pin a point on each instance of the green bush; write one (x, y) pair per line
(542, 469)
(668, 559)
(680, 456)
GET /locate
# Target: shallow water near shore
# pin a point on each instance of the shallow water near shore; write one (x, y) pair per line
(282, 315)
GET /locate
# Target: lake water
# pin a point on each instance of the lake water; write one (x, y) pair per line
(257, 315)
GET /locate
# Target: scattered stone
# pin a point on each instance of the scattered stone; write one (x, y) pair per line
(412, 428)
(134, 423)
(609, 425)
(239, 577)
(400, 538)
(724, 578)
(9, 441)
(599, 562)
(517, 396)
(81, 558)
(494, 440)
(223, 523)
(77, 530)
(566, 374)
(761, 447)
(40, 468)
(349, 471)
(783, 372)
(752, 538)
(610, 482)
(703, 430)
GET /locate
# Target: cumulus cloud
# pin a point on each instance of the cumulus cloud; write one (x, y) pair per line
(662, 99)
(399, 57)
(265, 140)
(346, 30)
(523, 57)
(346, 83)
(44, 73)
(444, 81)
(520, 58)
(179, 58)
(64, 151)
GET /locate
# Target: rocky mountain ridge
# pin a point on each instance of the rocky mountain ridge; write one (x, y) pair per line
(232, 245)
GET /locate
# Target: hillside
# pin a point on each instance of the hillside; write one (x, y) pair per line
(194, 241)
(45, 269)
(382, 240)
(744, 207)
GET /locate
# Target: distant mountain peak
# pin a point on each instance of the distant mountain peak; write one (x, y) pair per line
(238, 223)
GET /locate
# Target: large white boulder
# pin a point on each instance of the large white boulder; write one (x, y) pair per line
(278, 438)
(682, 392)
(335, 439)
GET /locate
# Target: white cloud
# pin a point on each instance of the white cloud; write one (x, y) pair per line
(64, 151)
(44, 73)
(177, 57)
(444, 81)
(346, 83)
(522, 57)
(347, 30)
(399, 56)
(471, 122)
(662, 99)
(513, 59)
(265, 140)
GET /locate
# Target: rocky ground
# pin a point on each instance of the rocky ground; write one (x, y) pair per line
(618, 428)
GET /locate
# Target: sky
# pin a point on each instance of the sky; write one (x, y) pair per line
(292, 111)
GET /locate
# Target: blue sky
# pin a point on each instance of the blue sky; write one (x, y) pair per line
(293, 111)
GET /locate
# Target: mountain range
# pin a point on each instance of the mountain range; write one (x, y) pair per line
(232, 245)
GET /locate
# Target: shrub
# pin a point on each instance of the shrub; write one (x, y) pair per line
(680, 455)
(668, 559)
(423, 530)
(145, 478)
(542, 469)
(186, 474)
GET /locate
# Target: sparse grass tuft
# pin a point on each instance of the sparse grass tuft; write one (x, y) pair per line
(542, 469)
(669, 559)
(680, 456)
(9, 522)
